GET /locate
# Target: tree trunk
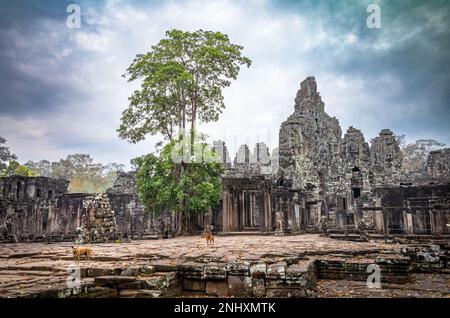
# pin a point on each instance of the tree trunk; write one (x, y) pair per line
(189, 224)
(193, 124)
(186, 221)
(179, 223)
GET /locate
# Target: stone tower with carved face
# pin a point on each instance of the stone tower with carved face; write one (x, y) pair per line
(310, 132)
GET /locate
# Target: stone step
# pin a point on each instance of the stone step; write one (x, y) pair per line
(139, 293)
(348, 237)
(392, 269)
(113, 281)
(251, 228)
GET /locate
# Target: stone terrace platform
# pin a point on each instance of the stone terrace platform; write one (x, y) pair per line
(247, 266)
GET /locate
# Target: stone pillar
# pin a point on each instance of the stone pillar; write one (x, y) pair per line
(255, 210)
(265, 209)
(236, 216)
(243, 214)
(225, 211)
(268, 207)
(230, 217)
(262, 221)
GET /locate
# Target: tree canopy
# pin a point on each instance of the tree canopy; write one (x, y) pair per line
(84, 174)
(5, 155)
(14, 168)
(162, 187)
(182, 81)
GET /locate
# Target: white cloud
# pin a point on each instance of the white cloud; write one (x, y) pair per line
(350, 38)
(90, 41)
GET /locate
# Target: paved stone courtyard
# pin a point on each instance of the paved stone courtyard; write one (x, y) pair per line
(121, 269)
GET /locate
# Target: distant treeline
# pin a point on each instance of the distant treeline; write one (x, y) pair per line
(84, 174)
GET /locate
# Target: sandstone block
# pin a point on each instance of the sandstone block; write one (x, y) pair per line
(217, 288)
(240, 286)
(194, 284)
(113, 280)
(258, 287)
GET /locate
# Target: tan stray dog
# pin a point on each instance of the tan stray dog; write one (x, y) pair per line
(209, 238)
(80, 250)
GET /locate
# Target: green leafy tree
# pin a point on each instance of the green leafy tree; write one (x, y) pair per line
(110, 172)
(162, 188)
(182, 81)
(14, 168)
(84, 174)
(5, 155)
(42, 168)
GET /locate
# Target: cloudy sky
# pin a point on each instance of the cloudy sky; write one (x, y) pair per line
(62, 91)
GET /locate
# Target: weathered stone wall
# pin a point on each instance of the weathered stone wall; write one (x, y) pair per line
(356, 160)
(345, 169)
(37, 209)
(222, 153)
(355, 150)
(420, 209)
(245, 204)
(100, 218)
(67, 215)
(309, 131)
(37, 189)
(438, 164)
(131, 219)
(27, 207)
(387, 159)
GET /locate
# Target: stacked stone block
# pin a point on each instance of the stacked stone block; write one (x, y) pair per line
(101, 222)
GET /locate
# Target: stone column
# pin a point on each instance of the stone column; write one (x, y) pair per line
(225, 208)
(262, 222)
(268, 210)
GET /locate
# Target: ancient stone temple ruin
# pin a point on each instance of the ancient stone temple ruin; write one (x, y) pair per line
(326, 182)
(315, 181)
(40, 209)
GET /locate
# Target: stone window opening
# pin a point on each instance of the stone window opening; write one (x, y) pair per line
(356, 169)
(344, 204)
(19, 189)
(45, 221)
(38, 193)
(50, 194)
(356, 192)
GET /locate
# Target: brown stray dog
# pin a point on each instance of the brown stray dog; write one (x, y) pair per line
(209, 238)
(80, 250)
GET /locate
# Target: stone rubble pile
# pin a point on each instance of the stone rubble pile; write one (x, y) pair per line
(101, 223)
